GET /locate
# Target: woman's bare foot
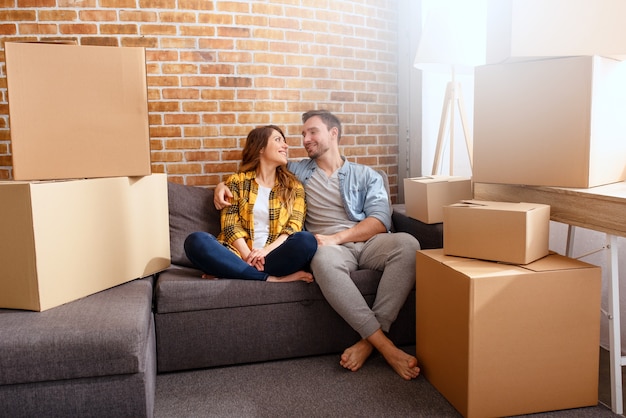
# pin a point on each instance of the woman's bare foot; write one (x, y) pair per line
(293, 277)
(354, 357)
(209, 277)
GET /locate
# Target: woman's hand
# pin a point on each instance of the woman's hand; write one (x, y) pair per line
(256, 258)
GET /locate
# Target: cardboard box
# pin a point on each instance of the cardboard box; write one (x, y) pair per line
(77, 111)
(63, 240)
(517, 233)
(555, 122)
(425, 197)
(503, 340)
(528, 29)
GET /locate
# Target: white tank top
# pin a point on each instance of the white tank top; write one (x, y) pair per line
(261, 212)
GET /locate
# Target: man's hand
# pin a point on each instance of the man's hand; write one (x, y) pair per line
(360, 232)
(222, 196)
(327, 239)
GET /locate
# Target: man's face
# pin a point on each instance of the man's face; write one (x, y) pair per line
(316, 137)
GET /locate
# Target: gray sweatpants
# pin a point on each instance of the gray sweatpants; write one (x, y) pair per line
(391, 253)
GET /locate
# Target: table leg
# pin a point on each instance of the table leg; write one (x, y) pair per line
(615, 341)
(571, 233)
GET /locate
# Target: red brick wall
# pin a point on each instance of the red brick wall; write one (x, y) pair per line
(218, 68)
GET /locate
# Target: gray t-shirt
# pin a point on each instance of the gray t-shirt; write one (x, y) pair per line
(325, 213)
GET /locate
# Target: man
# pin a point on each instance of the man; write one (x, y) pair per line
(348, 211)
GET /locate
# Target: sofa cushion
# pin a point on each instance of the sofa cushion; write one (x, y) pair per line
(181, 289)
(191, 209)
(99, 335)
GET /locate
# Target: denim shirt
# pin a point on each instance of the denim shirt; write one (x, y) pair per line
(362, 189)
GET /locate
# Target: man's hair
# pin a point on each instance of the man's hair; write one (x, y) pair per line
(330, 120)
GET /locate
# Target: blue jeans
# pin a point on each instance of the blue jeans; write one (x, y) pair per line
(213, 258)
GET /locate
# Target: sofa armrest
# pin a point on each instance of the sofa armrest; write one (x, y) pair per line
(428, 235)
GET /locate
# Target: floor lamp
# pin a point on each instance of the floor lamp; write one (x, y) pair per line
(453, 99)
(453, 40)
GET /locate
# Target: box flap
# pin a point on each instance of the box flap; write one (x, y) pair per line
(553, 262)
(475, 268)
(508, 206)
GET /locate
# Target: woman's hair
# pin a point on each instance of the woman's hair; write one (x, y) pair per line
(251, 158)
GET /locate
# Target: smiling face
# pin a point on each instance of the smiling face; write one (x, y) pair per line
(316, 137)
(275, 151)
(264, 144)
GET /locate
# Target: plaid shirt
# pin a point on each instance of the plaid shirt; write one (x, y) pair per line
(238, 219)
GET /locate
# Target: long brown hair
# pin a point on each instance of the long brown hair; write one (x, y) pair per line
(251, 158)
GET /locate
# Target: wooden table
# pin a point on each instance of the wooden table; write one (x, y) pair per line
(601, 208)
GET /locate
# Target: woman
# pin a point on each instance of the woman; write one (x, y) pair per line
(262, 237)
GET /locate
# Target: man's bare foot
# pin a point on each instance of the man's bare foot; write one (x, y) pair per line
(354, 357)
(293, 277)
(403, 363)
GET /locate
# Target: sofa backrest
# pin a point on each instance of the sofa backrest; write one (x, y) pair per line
(191, 209)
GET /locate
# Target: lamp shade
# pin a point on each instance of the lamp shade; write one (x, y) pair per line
(453, 36)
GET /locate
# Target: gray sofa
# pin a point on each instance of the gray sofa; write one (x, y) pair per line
(99, 356)
(206, 323)
(94, 357)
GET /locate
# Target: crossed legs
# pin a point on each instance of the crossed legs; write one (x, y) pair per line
(394, 255)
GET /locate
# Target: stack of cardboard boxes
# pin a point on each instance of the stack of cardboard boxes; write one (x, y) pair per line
(83, 213)
(504, 327)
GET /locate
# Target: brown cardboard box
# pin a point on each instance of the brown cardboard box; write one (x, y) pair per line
(527, 29)
(553, 122)
(425, 197)
(503, 340)
(77, 111)
(517, 233)
(63, 240)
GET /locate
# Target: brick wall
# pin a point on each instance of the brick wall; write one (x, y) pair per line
(218, 68)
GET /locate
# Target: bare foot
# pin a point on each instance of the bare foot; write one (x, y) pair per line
(403, 363)
(293, 277)
(209, 277)
(354, 357)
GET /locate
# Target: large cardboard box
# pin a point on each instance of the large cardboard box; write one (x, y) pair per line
(553, 122)
(501, 340)
(528, 29)
(425, 197)
(77, 111)
(516, 233)
(62, 240)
